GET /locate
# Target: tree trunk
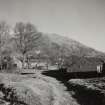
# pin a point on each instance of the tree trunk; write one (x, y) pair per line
(28, 64)
(23, 63)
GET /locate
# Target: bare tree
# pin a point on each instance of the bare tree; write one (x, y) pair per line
(26, 38)
(4, 32)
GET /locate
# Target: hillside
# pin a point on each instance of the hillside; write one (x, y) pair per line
(56, 44)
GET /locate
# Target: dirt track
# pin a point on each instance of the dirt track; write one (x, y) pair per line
(34, 89)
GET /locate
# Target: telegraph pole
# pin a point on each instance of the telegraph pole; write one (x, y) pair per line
(0, 53)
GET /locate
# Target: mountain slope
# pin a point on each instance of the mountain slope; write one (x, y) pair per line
(54, 44)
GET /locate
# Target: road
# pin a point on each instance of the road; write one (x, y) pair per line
(34, 89)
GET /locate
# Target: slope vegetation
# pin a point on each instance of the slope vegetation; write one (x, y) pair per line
(56, 44)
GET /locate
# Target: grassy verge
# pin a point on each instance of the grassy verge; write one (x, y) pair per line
(87, 93)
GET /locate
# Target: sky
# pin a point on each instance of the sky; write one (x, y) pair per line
(82, 20)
